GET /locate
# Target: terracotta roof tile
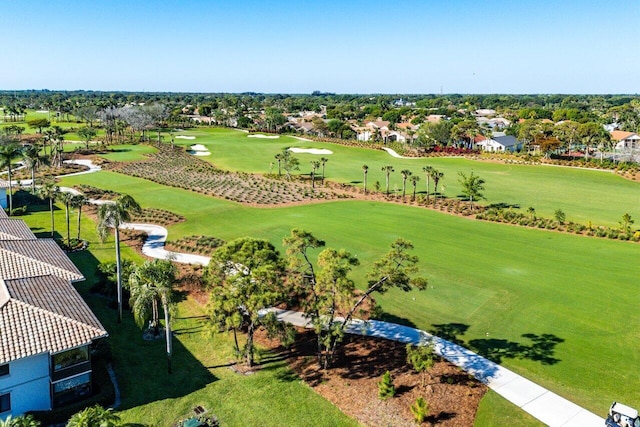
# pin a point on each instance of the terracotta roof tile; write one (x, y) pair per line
(28, 330)
(52, 294)
(619, 135)
(3, 214)
(28, 258)
(15, 229)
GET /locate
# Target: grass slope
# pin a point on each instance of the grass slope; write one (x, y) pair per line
(584, 195)
(490, 284)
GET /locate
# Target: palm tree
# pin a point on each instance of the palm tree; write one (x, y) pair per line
(49, 190)
(8, 150)
(67, 198)
(436, 175)
(152, 283)
(427, 170)
(323, 161)
(33, 160)
(414, 181)
(387, 169)
(113, 215)
(365, 170)
(94, 416)
(78, 201)
(406, 173)
(279, 157)
(21, 421)
(315, 165)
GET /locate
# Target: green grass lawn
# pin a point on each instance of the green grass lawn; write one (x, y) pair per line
(274, 396)
(583, 195)
(490, 284)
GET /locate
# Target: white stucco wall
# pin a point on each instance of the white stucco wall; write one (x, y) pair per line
(28, 382)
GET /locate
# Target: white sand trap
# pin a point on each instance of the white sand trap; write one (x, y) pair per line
(185, 137)
(310, 150)
(257, 135)
(199, 147)
(199, 153)
(42, 111)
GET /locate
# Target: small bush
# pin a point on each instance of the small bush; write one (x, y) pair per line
(420, 410)
(386, 389)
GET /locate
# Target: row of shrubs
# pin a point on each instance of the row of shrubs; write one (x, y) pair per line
(531, 220)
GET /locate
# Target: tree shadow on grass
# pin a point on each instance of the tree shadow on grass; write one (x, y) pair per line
(392, 318)
(503, 205)
(541, 349)
(141, 366)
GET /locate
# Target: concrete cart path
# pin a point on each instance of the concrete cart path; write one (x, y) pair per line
(541, 403)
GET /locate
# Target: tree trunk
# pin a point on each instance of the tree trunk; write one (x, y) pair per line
(79, 216)
(118, 273)
(66, 214)
(249, 346)
(167, 328)
(33, 180)
(10, 191)
(52, 220)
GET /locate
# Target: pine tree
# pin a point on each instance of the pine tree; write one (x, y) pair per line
(386, 389)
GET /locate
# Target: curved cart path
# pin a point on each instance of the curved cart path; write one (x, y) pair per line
(541, 403)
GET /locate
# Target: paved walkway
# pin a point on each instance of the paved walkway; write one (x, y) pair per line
(544, 405)
(541, 403)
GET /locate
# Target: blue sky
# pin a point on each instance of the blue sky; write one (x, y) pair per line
(395, 46)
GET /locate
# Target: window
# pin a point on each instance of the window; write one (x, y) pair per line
(4, 370)
(5, 402)
(71, 357)
(71, 389)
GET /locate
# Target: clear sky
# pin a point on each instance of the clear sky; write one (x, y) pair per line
(342, 46)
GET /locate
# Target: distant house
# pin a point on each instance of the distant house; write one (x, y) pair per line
(625, 140)
(4, 185)
(498, 143)
(46, 328)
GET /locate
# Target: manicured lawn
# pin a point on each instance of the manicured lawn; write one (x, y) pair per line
(583, 195)
(201, 375)
(128, 152)
(489, 283)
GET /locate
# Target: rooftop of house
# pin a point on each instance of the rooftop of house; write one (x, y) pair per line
(40, 310)
(619, 135)
(4, 184)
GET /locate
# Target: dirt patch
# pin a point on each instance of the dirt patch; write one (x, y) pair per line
(352, 385)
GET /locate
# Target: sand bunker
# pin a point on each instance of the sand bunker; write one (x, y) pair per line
(257, 135)
(199, 150)
(185, 137)
(42, 111)
(310, 150)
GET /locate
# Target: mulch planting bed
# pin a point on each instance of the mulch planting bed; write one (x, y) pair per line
(352, 385)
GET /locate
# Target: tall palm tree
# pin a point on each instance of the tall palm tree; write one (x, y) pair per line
(8, 150)
(315, 165)
(436, 175)
(365, 170)
(406, 173)
(78, 201)
(414, 181)
(33, 160)
(279, 157)
(113, 215)
(49, 190)
(152, 283)
(67, 199)
(387, 170)
(427, 170)
(323, 161)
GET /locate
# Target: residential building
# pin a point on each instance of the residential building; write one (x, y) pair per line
(46, 328)
(498, 142)
(625, 141)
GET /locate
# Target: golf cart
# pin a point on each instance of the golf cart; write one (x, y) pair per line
(622, 416)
